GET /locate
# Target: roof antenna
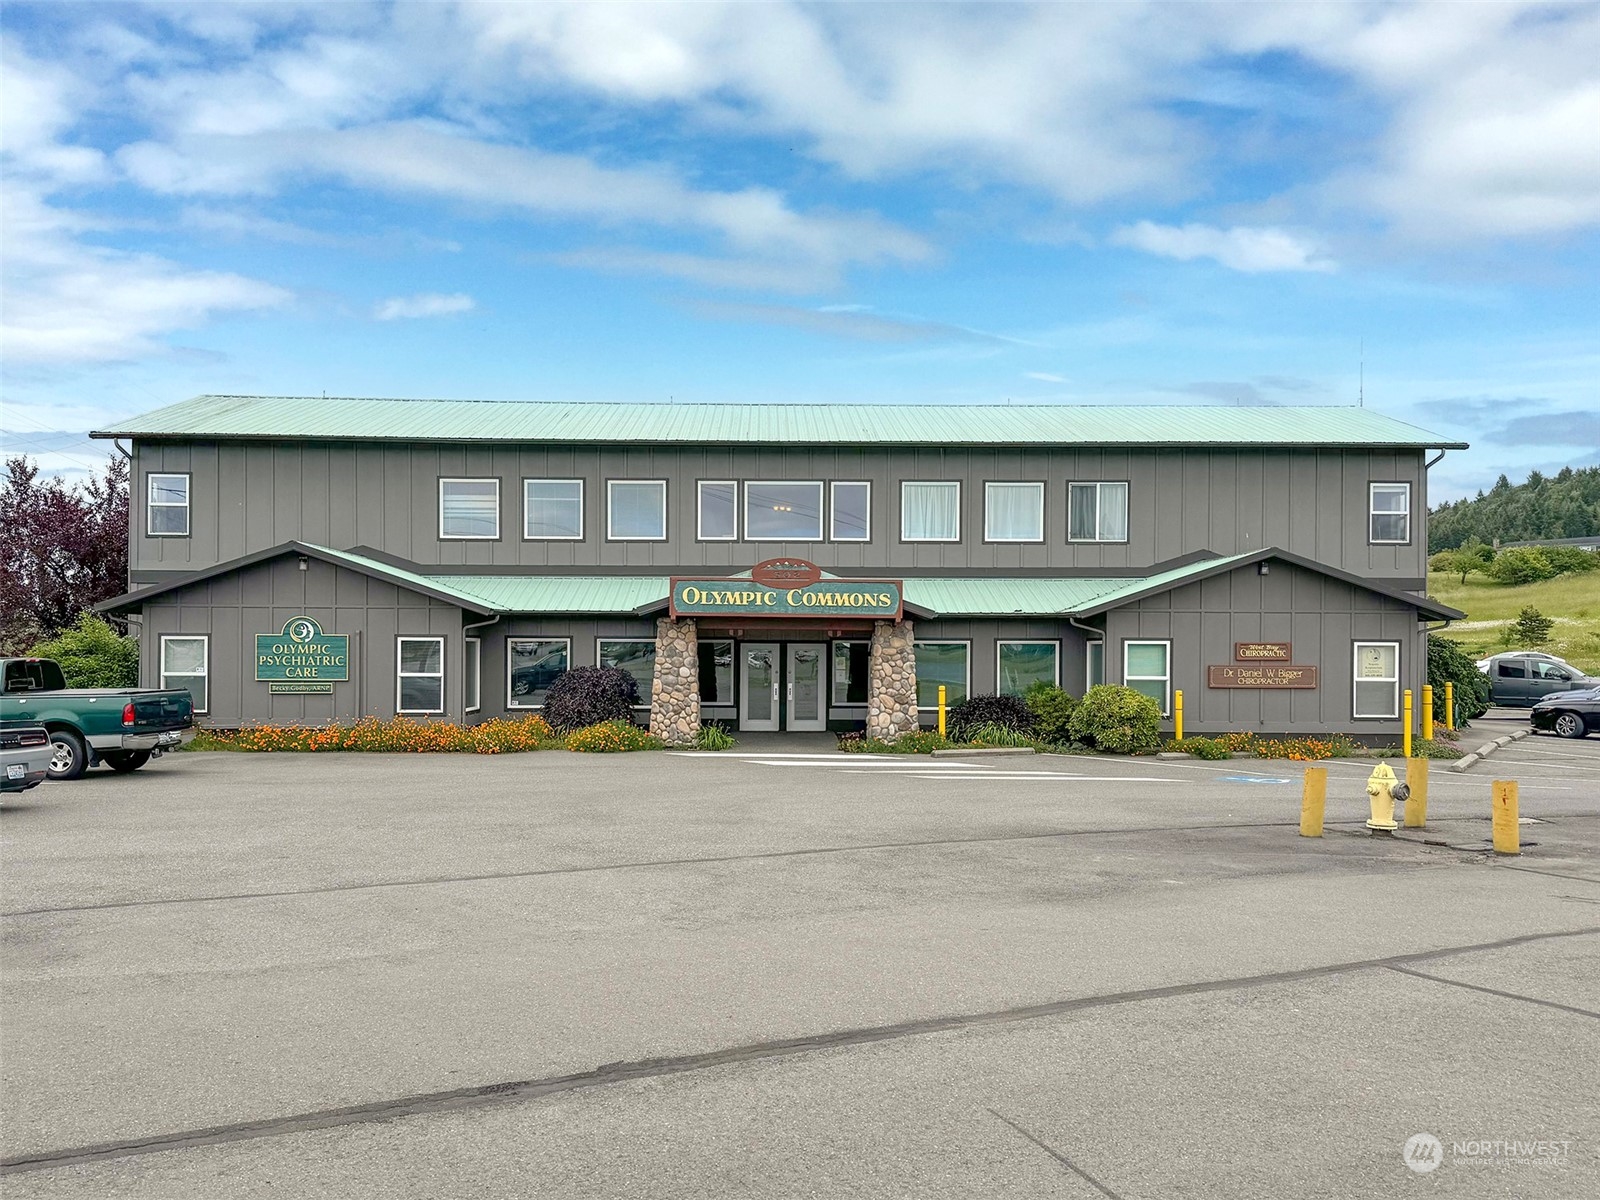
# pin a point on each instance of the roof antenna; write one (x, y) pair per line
(1361, 395)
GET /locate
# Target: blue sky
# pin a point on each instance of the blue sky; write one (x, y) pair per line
(1063, 204)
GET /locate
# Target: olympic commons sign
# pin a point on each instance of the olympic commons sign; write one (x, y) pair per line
(824, 598)
(302, 659)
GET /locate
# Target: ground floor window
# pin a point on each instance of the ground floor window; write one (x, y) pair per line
(419, 683)
(1147, 668)
(636, 656)
(851, 663)
(471, 698)
(532, 665)
(949, 663)
(716, 672)
(1020, 665)
(1377, 680)
(185, 663)
(1094, 663)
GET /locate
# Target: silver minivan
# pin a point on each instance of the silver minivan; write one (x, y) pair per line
(1520, 681)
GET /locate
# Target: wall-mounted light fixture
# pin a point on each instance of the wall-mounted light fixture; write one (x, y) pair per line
(1263, 568)
(305, 564)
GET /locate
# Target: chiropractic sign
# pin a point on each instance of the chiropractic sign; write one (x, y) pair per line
(882, 598)
(302, 659)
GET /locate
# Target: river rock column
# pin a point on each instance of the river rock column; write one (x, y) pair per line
(675, 691)
(891, 681)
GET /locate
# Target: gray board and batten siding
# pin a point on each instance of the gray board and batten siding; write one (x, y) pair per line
(246, 496)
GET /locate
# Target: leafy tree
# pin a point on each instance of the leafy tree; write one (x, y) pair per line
(1570, 560)
(1448, 662)
(1532, 627)
(65, 548)
(1461, 561)
(93, 655)
(1520, 564)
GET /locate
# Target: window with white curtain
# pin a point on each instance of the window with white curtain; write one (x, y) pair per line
(469, 509)
(636, 510)
(1097, 512)
(718, 506)
(185, 663)
(930, 512)
(552, 509)
(419, 675)
(852, 504)
(1013, 512)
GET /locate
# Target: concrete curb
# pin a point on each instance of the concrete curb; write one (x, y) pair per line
(972, 751)
(1488, 748)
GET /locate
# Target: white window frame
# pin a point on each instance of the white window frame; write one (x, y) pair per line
(401, 675)
(511, 701)
(1056, 681)
(988, 533)
(205, 663)
(1099, 486)
(940, 541)
(1373, 514)
(600, 660)
(1165, 644)
(552, 537)
(700, 510)
(833, 508)
(660, 484)
(1355, 677)
(833, 703)
(151, 504)
(1088, 662)
(474, 656)
(821, 500)
(470, 537)
(966, 684)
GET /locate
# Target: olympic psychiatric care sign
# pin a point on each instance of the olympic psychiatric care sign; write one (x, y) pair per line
(302, 659)
(882, 598)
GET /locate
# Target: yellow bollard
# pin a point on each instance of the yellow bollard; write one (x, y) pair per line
(1313, 798)
(1449, 704)
(1177, 712)
(1507, 833)
(941, 710)
(1417, 803)
(1427, 712)
(1408, 718)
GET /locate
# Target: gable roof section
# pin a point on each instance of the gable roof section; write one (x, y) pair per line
(1138, 589)
(368, 420)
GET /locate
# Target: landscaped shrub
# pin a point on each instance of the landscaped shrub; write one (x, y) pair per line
(714, 737)
(1306, 749)
(93, 655)
(1209, 749)
(1117, 719)
(1520, 564)
(922, 741)
(585, 696)
(1010, 711)
(1052, 709)
(611, 737)
(400, 735)
(1448, 662)
(1437, 748)
(992, 733)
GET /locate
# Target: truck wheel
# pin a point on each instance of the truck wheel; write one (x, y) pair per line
(69, 758)
(1570, 725)
(123, 761)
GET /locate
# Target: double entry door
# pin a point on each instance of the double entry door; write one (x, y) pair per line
(781, 686)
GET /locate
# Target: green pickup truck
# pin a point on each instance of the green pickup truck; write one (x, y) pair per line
(121, 727)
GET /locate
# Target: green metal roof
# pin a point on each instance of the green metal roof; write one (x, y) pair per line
(1127, 589)
(770, 424)
(1007, 597)
(578, 594)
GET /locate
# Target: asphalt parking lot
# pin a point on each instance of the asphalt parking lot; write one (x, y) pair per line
(814, 975)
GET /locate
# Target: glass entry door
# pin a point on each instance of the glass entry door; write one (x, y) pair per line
(805, 661)
(758, 686)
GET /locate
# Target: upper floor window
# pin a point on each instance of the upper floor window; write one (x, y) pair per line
(719, 510)
(636, 510)
(1013, 512)
(552, 509)
(469, 508)
(852, 518)
(168, 505)
(930, 512)
(783, 512)
(1389, 512)
(1097, 512)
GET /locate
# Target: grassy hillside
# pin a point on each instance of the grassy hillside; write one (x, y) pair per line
(1572, 600)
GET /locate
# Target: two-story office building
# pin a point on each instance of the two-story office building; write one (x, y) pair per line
(778, 567)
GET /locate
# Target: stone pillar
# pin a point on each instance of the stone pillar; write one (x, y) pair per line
(675, 692)
(891, 681)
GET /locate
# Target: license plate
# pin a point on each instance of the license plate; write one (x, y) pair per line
(167, 739)
(16, 771)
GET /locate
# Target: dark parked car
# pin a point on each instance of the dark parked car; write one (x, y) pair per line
(1571, 714)
(1517, 680)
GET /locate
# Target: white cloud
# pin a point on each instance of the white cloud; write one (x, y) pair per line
(1240, 248)
(1043, 377)
(423, 304)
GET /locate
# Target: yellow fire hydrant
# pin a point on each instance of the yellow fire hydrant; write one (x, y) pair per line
(1383, 790)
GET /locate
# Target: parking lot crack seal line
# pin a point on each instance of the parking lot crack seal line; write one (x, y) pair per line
(1551, 874)
(654, 1068)
(1474, 987)
(1058, 1156)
